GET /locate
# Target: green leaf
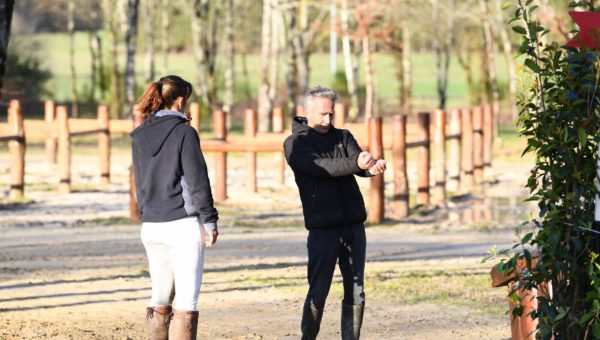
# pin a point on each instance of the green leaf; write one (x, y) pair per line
(596, 329)
(532, 65)
(526, 238)
(507, 4)
(519, 29)
(562, 312)
(582, 135)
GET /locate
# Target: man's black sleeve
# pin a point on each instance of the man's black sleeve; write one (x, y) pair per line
(353, 151)
(302, 158)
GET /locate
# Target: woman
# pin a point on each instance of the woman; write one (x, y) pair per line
(176, 205)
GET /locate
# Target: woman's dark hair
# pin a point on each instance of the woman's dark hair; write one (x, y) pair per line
(163, 93)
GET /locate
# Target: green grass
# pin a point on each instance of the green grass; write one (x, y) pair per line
(53, 50)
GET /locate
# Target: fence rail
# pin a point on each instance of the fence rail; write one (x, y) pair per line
(453, 150)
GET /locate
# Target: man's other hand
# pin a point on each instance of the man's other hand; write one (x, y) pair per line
(365, 160)
(378, 168)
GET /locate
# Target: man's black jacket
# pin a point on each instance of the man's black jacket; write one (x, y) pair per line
(324, 166)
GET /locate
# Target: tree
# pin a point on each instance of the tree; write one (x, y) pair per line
(492, 94)
(71, 30)
(6, 10)
(112, 26)
(230, 60)
(149, 39)
(130, 38)
(265, 106)
(348, 68)
(205, 37)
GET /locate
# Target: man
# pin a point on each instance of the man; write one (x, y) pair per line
(324, 160)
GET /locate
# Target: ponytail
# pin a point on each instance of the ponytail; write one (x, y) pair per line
(151, 100)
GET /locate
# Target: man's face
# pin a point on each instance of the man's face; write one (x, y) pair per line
(320, 114)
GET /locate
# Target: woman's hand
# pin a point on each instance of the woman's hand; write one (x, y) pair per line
(212, 238)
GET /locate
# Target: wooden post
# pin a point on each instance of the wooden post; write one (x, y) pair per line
(454, 150)
(376, 211)
(195, 115)
(466, 176)
(423, 158)
(104, 144)
(250, 131)
(401, 194)
(300, 111)
(220, 132)
(64, 149)
(488, 136)
(137, 120)
(51, 141)
(277, 120)
(16, 147)
(440, 157)
(340, 115)
(279, 156)
(478, 144)
(523, 327)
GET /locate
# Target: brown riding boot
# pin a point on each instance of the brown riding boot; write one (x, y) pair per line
(184, 325)
(157, 322)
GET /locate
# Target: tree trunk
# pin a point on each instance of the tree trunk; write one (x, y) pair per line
(149, 31)
(291, 77)
(71, 30)
(490, 65)
(442, 53)
(274, 53)
(198, 30)
(369, 86)
(98, 78)
(230, 61)
(6, 10)
(111, 26)
(406, 75)
(302, 48)
(466, 65)
(352, 88)
(264, 103)
(132, 15)
(510, 62)
(165, 35)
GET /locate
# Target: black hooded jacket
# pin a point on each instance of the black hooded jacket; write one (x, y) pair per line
(171, 178)
(324, 166)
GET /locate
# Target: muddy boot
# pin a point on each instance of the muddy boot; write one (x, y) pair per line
(184, 325)
(157, 322)
(352, 316)
(311, 321)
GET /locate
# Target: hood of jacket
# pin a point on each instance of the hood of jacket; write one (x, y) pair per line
(155, 130)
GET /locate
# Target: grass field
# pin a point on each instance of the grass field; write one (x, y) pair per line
(53, 51)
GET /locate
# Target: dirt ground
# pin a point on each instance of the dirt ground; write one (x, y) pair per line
(73, 267)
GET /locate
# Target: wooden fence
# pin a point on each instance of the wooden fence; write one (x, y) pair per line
(466, 134)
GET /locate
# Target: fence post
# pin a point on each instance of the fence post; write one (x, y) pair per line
(300, 111)
(440, 157)
(423, 158)
(376, 212)
(104, 144)
(51, 142)
(250, 132)
(64, 149)
(478, 144)
(488, 136)
(401, 195)
(279, 157)
(466, 178)
(339, 116)
(195, 115)
(134, 214)
(220, 132)
(454, 151)
(17, 149)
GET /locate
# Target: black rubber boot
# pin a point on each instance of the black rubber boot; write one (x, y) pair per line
(352, 316)
(311, 321)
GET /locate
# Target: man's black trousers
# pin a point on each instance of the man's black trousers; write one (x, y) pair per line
(325, 247)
